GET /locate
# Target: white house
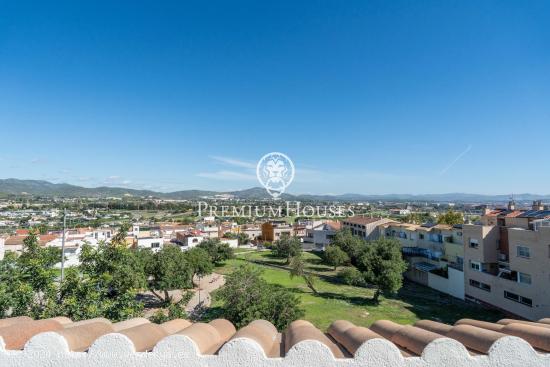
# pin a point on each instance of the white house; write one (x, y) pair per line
(153, 243)
(320, 236)
(189, 240)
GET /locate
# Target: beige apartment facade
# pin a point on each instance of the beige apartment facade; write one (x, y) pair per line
(435, 254)
(367, 228)
(508, 262)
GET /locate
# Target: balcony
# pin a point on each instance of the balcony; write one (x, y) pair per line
(421, 252)
(540, 223)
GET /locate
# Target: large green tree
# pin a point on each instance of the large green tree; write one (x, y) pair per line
(246, 296)
(350, 244)
(217, 250)
(335, 256)
(383, 266)
(166, 270)
(451, 218)
(199, 262)
(287, 247)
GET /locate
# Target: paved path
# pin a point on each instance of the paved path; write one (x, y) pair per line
(204, 286)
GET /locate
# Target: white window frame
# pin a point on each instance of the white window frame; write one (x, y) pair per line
(478, 266)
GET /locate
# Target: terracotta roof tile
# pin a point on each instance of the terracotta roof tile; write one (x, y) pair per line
(343, 338)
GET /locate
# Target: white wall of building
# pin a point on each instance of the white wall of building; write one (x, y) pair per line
(155, 244)
(454, 285)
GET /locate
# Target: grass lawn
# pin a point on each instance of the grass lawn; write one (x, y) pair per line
(337, 301)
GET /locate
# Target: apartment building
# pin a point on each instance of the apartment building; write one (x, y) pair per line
(365, 227)
(209, 229)
(320, 236)
(274, 230)
(435, 253)
(508, 260)
(251, 231)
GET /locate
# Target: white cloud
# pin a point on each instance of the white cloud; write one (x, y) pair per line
(39, 161)
(234, 162)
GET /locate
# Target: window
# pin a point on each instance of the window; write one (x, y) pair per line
(524, 278)
(519, 299)
(480, 285)
(155, 245)
(512, 296)
(474, 265)
(523, 251)
(474, 243)
(421, 236)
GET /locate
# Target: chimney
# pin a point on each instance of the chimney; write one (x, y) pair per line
(511, 205)
(537, 205)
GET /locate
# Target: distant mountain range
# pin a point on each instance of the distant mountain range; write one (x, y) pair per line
(17, 187)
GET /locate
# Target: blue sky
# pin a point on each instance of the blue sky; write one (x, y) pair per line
(364, 96)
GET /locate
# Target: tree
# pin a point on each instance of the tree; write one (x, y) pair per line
(217, 250)
(115, 268)
(382, 266)
(166, 270)
(173, 311)
(104, 285)
(199, 262)
(247, 297)
(418, 218)
(451, 218)
(350, 244)
(42, 228)
(287, 247)
(243, 239)
(335, 256)
(297, 269)
(351, 276)
(34, 274)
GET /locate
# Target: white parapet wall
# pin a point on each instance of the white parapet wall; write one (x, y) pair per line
(453, 285)
(116, 350)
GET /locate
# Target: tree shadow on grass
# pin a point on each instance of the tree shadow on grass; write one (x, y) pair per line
(354, 300)
(427, 303)
(314, 261)
(320, 269)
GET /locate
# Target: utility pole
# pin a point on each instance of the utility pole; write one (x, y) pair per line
(199, 291)
(63, 244)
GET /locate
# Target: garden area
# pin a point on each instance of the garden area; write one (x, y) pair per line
(336, 301)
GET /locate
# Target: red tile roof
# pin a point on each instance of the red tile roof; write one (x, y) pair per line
(343, 338)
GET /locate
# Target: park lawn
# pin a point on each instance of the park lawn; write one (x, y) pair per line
(337, 301)
(313, 261)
